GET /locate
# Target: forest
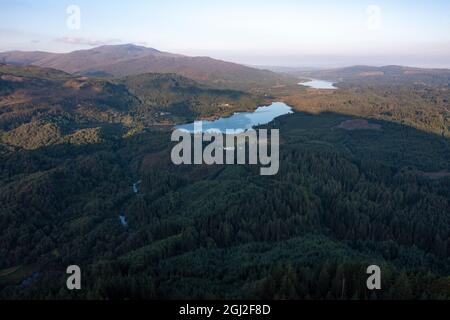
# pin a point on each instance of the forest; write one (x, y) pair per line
(343, 199)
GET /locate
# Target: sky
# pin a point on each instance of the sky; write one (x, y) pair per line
(297, 33)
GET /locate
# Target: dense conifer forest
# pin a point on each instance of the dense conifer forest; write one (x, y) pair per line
(346, 197)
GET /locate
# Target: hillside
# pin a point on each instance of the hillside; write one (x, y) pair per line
(409, 96)
(344, 199)
(386, 75)
(41, 106)
(358, 185)
(126, 60)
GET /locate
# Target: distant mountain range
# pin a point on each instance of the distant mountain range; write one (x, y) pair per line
(126, 60)
(385, 74)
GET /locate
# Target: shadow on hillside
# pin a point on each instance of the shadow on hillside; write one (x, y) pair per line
(392, 144)
(388, 142)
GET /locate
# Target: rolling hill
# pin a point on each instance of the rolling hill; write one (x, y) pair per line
(381, 75)
(43, 106)
(126, 60)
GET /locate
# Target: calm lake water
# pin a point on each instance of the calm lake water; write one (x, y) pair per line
(319, 84)
(244, 120)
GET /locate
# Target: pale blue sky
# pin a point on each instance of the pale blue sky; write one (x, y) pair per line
(278, 32)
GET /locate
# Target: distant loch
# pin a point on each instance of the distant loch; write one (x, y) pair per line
(319, 84)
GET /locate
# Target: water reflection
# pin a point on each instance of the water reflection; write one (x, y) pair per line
(244, 120)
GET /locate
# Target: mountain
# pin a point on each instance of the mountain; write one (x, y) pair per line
(125, 60)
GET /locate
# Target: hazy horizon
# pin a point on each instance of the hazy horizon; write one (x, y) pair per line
(286, 33)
